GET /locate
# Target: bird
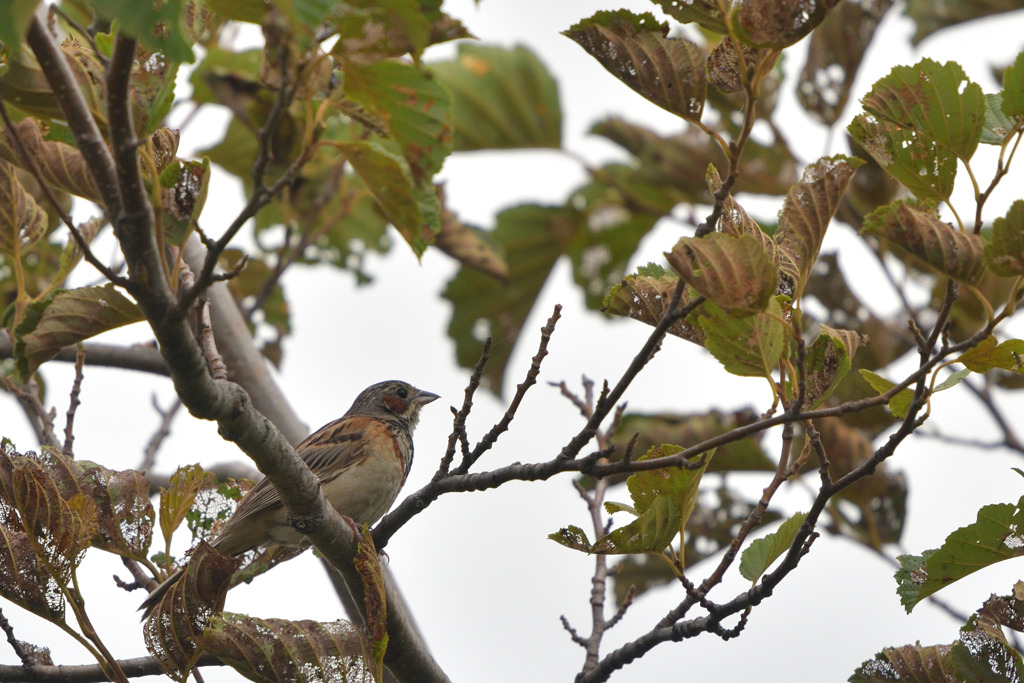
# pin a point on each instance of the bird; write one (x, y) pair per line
(362, 460)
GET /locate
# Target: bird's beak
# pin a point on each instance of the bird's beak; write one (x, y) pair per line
(425, 397)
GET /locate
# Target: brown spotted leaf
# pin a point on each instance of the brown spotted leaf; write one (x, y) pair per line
(22, 221)
(733, 272)
(644, 297)
(367, 564)
(60, 520)
(60, 164)
(735, 221)
(24, 578)
(829, 358)
(725, 71)
(778, 23)
(906, 663)
(921, 233)
(125, 511)
(637, 50)
(67, 317)
(278, 650)
(183, 187)
(806, 214)
(173, 629)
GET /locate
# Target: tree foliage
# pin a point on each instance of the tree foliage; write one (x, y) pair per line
(340, 124)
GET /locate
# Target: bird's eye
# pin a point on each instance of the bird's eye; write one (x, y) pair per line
(401, 392)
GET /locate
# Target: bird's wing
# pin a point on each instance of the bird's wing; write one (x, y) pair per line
(328, 451)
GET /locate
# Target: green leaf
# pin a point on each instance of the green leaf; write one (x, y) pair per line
(750, 346)
(1013, 91)
(636, 49)
(251, 11)
(998, 126)
(995, 536)
(921, 233)
(183, 186)
(533, 238)
(573, 537)
(806, 214)
(415, 211)
(679, 483)
(651, 532)
(68, 317)
(829, 358)
(1009, 355)
(898, 404)
(1005, 253)
(663, 501)
(935, 100)
(157, 25)
(762, 552)
(733, 272)
(503, 99)
(177, 499)
(690, 429)
(705, 13)
(953, 379)
(919, 163)
(14, 20)
(416, 108)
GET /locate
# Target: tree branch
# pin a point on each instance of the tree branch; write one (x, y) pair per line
(141, 358)
(225, 402)
(89, 673)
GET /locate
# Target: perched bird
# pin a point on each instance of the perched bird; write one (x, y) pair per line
(361, 459)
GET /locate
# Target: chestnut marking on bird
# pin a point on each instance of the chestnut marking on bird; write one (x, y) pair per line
(361, 459)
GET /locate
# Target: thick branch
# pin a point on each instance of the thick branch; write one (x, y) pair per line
(88, 673)
(141, 358)
(225, 402)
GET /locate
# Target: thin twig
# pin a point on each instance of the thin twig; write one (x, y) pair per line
(73, 403)
(531, 378)
(19, 649)
(166, 416)
(459, 425)
(40, 418)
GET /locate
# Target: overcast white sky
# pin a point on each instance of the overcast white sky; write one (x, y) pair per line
(485, 584)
